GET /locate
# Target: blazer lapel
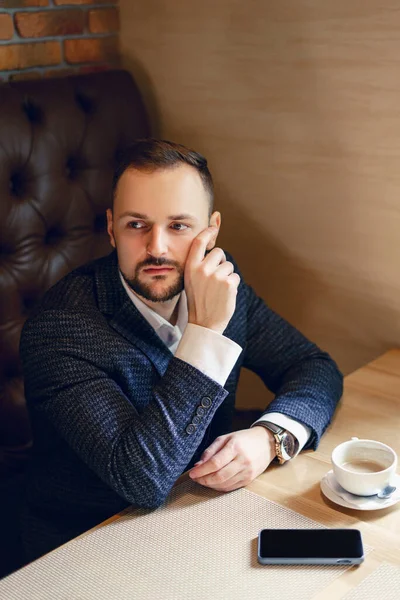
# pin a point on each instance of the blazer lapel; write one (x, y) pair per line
(125, 317)
(130, 323)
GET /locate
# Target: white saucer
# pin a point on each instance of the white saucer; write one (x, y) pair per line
(367, 503)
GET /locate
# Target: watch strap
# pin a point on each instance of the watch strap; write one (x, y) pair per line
(279, 433)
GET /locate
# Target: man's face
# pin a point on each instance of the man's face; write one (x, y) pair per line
(154, 220)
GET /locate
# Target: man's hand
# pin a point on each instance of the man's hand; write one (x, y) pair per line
(232, 461)
(210, 284)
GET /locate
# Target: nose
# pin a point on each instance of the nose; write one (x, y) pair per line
(157, 242)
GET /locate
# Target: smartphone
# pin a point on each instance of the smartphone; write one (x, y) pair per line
(310, 547)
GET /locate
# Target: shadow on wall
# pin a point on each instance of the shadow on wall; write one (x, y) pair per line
(262, 261)
(351, 314)
(147, 90)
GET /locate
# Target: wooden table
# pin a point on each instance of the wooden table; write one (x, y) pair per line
(369, 409)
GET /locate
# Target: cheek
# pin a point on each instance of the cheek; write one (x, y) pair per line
(130, 251)
(183, 249)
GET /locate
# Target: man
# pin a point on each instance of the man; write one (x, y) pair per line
(131, 362)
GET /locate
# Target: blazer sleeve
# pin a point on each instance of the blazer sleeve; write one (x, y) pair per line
(139, 455)
(305, 380)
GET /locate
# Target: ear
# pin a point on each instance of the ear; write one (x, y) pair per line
(215, 221)
(110, 227)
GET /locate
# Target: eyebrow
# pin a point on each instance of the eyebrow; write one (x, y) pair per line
(180, 217)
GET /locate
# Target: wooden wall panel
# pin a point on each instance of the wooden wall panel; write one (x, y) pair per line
(296, 104)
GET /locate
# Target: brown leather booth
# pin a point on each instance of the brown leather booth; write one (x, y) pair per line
(58, 142)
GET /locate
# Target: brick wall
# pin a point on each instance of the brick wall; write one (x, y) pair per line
(50, 38)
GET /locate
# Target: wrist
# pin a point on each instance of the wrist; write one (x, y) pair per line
(270, 439)
(217, 329)
(286, 444)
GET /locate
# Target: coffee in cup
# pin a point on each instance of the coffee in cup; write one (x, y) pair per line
(364, 467)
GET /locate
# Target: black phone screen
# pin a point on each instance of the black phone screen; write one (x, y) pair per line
(306, 543)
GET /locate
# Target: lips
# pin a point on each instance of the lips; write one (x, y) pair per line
(158, 270)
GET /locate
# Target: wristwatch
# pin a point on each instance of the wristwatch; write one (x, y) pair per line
(286, 444)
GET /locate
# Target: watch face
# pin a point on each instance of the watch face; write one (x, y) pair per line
(288, 445)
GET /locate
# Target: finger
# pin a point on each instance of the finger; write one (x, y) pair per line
(199, 244)
(225, 269)
(234, 279)
(216, 462)
(228, 486)
(213, 448)
(220, 477)
(214, 258)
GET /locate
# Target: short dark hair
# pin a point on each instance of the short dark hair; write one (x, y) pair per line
(151, 154)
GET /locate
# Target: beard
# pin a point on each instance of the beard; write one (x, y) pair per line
(146, 289)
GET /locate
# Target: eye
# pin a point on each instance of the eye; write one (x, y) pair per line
(135, 225)
(179, 226)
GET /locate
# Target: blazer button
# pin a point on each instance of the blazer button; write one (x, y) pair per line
(201, 411)
(191, 429)
(196, 420)
(206, 402)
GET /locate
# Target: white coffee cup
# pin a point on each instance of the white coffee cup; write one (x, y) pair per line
(364, 467)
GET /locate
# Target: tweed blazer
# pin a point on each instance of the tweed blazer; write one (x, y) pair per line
(117, 418)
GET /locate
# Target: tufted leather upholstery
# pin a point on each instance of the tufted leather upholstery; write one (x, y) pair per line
(58, 143)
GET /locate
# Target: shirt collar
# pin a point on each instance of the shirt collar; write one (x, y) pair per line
(153, 318)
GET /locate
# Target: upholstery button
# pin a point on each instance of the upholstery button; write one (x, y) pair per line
(34, 113)
(27, 304)
(69, 169)
(6, 250)
(16, 184)
(196, 419)
(191, 429)
(53, 236)
(201, 411)
(206, 402)
(85, 103)
(73, 165)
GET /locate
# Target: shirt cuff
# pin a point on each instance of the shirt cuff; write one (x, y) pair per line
(300, 431)
(208, 351)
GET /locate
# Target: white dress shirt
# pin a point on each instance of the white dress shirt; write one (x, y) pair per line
(208, 351)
